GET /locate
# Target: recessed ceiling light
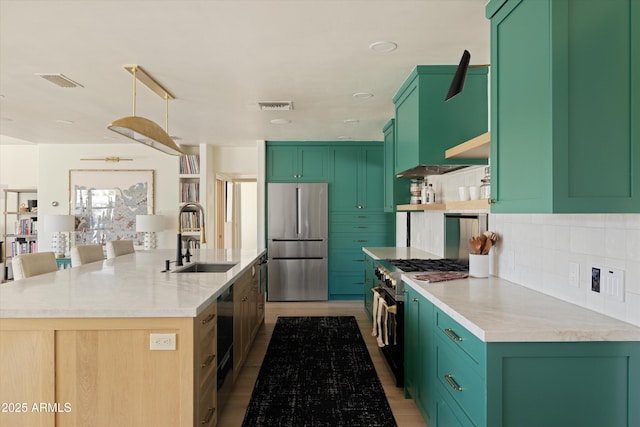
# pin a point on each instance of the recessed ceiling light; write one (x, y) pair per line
(280, 121)
(383, 47)
(351, 121)
(6, 119)
(64, 122)
(362, 95)
(344, 137)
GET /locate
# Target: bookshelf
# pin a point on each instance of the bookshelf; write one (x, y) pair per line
(20, 225)
(189, 180)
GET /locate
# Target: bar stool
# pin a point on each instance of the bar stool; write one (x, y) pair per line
(28, 265)
(85, 254)
(119, 247)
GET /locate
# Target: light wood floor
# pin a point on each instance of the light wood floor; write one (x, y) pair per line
(404, 410)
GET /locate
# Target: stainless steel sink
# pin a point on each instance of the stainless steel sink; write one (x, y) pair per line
(205, 267)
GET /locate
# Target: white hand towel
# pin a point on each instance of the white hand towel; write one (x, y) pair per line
(381, 311)
(376, 301)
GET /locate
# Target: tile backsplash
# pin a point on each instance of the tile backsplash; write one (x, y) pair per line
(537, 250)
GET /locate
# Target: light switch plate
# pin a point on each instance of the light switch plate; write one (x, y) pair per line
(613, 279)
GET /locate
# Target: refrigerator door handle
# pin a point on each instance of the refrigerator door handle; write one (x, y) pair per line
(298, 211)
(297, 240)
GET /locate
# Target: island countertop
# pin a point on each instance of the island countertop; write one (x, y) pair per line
(131, 285)
(496, 310)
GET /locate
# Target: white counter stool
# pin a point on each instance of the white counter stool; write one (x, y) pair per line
(119, 247)
(85, 254)
(27, 265)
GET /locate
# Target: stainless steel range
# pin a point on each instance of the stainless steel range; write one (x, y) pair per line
(391, 299)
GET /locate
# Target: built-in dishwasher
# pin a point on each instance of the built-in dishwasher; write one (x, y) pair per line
(225, 346)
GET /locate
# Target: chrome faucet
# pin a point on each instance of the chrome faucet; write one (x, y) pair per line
(188, 206)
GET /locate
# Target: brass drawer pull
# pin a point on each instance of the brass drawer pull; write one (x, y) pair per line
(361, 241)
(209, 415)
(208, 361)
(452, 334)
(414, 299)
(360, 226)
(452, 382)
(208, 319)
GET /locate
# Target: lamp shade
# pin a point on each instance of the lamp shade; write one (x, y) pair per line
(149, 223)
(457, 84)
(146, 132)
(59, 223)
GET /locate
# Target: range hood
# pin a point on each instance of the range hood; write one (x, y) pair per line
(426, 170)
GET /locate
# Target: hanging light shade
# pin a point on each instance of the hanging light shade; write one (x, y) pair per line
(457, 84)
(144, 130)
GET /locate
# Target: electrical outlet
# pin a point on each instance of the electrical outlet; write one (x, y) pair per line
(595, 279)
(574, 274)
(162, 341)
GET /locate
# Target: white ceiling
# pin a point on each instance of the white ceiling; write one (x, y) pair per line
(218, 58)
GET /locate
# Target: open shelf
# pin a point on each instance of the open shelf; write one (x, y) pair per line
(469, 204)
(476, 148)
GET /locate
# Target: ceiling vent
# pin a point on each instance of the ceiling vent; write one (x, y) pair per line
(59, 80)
(276, 106)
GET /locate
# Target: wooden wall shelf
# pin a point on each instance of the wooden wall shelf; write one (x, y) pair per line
(469, 204)
(476, 148)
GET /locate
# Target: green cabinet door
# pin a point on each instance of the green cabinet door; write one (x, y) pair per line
(396, 190)
(419, 362)
(426, 126)
(346, 176)
(297, 162)
(370, 281)
(565, 129)
(372, 179)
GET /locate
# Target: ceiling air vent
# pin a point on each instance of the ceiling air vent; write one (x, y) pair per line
(59, 80)
(276, 106)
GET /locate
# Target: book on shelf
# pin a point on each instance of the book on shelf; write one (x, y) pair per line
(190, 164)
(23, 246)
(190, 221)
(26, 227)
(189, 192)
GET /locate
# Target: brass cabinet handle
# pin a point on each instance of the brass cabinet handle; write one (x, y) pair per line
(358, 260)
(208, 361)
(360, 226)
(452, 334)
(492, 201)
(208, 417)
(362, 240)
(208, 319)
(454, 385)
(414, 299)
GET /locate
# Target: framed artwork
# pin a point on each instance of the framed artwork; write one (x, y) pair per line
(105, 203)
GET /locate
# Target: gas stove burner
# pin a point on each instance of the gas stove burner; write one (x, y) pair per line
(425, 265)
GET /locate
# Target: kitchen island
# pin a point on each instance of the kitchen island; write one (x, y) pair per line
(75, 344)
(488, 352)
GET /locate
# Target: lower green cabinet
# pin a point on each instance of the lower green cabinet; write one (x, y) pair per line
(456, 379)
(370, 281)
(418, 350)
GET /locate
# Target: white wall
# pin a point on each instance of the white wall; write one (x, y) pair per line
(57, 160)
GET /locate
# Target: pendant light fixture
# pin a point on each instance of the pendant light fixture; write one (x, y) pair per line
(457, 84)
(144, 130)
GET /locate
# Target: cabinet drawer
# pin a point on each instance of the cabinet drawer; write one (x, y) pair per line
(358, 241)
(452, 332)
(206, 321)
(206, 357)
(447, 416)
(369, 218)
(207, 411)
(458, 379)
(364, 227)
(347, 284)
(346, 260)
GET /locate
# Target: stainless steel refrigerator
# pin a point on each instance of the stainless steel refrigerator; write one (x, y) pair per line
(297, 230)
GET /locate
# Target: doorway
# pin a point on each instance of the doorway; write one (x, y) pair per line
(236, 212)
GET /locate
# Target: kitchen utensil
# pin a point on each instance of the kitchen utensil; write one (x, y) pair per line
(476, 245)
(486, 247)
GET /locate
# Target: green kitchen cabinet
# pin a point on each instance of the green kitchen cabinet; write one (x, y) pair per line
(418, 351)
(470, 382)
(565, 103)
(297, 162)
(396, 190)
(426, 126)
(358, 178)
(370, 282)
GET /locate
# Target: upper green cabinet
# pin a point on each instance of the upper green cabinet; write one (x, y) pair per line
(290, 163)
(357, 176)
(426, 126)
(565, 105)
(396, 190)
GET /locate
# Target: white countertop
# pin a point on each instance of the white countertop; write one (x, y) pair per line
(398, 253)
(127, 286)
(496, 310)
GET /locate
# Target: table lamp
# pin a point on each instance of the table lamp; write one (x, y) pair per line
(59, 225)
(149, 224)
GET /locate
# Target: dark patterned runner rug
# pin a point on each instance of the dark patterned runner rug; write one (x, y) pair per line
(318, 372)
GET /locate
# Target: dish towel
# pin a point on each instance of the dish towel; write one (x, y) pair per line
(376, 301)
(382, 315)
